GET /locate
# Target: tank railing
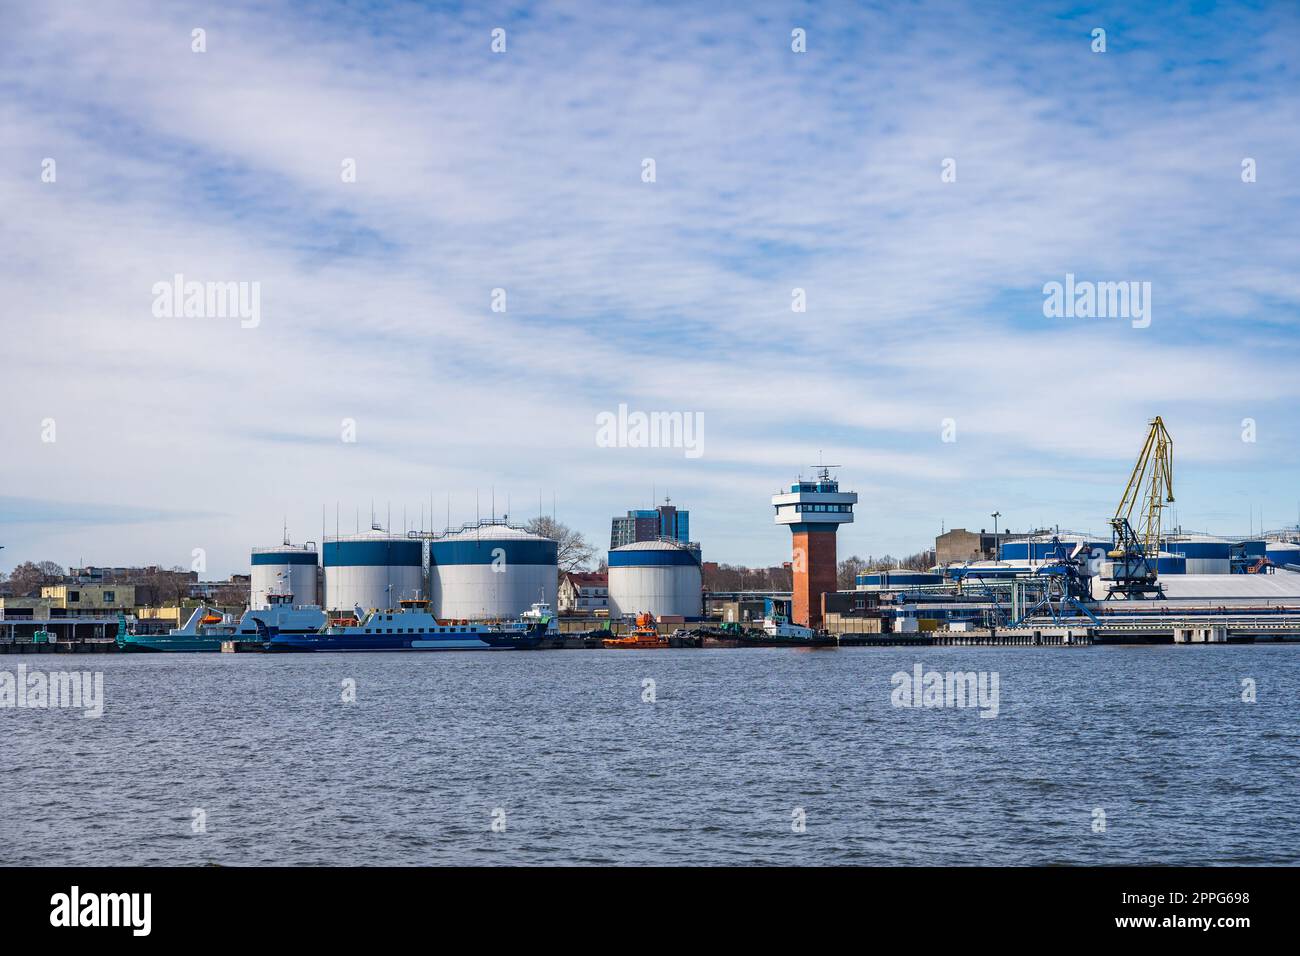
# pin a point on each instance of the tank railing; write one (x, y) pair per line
(502, 522)
(669, 539)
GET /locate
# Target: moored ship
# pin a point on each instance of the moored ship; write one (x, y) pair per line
(780, 632)
(644, 636)
(207, 629)
(409, 627)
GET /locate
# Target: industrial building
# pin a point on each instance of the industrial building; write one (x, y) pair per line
(659, 577)
(89, 597)
(651, 524)
(1279, 589)
(1180, 553)
(284, 569)
(489, 570)
(960, 546)
(891, 580)
(1282, 553)
(1204, 553)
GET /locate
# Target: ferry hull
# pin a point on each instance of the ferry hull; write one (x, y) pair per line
(408, 628)
(166, 643)
(483, 641)
(412, 643)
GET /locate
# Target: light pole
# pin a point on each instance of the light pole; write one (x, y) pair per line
(997, 551)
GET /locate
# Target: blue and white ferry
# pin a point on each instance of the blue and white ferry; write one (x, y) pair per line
(207, 628)
(410, 627)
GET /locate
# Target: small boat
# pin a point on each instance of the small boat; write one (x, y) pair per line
(779, 632)
(685, 638)
(540, 613)
(207, 630)
(532, 627)
(505, 639)
(644, 636)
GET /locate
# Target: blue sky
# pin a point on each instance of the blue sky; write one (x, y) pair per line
(522, 171)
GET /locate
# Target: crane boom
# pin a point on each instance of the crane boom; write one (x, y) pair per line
(1150, 486)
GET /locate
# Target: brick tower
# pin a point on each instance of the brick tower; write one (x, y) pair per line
(814, 510)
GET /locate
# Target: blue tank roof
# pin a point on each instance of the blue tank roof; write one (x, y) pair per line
(488, 550)
(650, 554)
(373, 552)
(284, 557)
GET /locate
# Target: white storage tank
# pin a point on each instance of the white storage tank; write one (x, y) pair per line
(491, 571)
(286, 569)
(660, 577)
(372, 570)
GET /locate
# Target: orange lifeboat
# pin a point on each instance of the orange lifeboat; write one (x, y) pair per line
(643, 636)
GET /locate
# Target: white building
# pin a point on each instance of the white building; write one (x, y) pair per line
(583, 592)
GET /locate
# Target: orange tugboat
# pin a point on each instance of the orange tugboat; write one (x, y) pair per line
(643, 636)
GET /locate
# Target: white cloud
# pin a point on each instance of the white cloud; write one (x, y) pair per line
(522, 172)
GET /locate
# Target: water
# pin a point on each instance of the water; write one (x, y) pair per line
(711, 772)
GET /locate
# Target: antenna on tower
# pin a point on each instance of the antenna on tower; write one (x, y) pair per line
(823, 471)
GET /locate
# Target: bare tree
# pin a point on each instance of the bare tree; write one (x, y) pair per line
(733, 577)
(231, 595)
(573, 552)
(921, 561)
(29, 577)
(849, 569)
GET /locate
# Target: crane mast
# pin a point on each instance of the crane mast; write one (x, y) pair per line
(1136, 548)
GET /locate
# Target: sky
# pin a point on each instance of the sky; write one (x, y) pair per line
(920, 171)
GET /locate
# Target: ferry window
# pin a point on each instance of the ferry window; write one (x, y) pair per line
(367, 630)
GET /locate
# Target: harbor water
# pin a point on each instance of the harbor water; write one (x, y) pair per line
(1102, 755)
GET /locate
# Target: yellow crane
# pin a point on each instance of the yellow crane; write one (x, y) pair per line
(1136, 549)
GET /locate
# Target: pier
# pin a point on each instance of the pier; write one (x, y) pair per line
(59, 647)
(1017, 637)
